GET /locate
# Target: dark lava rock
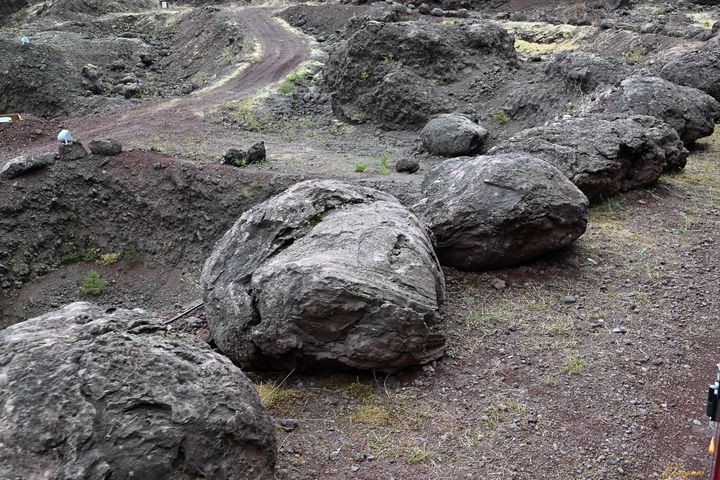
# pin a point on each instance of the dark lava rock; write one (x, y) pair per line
(25, 164)
(452, 134)
(326, 275)
(501, 210)
(235, 157)
(603, 155)
(107, 147)
(407, 165)
(691, 112)
(257, 153)
(699, 69)
(95, 394)
(72, 151)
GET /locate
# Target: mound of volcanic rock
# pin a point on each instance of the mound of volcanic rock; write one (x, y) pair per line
(93, 393)
(326, 275)
(401, 73)
(555, 89)
(451, 135)
(500, 210)
(604, 155)
(691, 112)
(698, 69)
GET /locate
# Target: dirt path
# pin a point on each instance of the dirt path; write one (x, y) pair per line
(178, 119)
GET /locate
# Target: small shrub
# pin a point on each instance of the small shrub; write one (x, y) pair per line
(501, 117)
(90, 255)
(109, 258)
(131, 257)
(70, 258)
(93, 284)
(570, 106)
(384, 164)
(360, 167)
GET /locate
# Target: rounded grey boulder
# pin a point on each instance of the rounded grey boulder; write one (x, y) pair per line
(603, 155)
(25, 164)
(452, 134)
(95, 394)
(691, 112)
(326, 275)
(109, 147)
(698, 69)
(500, 210)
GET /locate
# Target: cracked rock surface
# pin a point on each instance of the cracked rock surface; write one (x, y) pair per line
(326, 274)
(95, 394)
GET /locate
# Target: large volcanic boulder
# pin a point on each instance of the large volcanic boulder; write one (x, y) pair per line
(698, 69)
(402, 73)
(326, 274)
(604, 155)
(500, 210)
(452, 134)
(93, 394)
(691, 112)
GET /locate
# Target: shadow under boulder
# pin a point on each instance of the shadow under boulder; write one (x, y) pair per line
(90, 393)
(326, 275)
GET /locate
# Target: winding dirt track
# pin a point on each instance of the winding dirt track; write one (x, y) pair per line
(179, 119)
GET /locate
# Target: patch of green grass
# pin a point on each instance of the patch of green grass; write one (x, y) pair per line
(501, 117)
(419, 454)
(503, 412)
(384, 164)
(287, 85)
(90, 255)
(550, 381)
(610, 209)
(360, 167)
(574, 365)
(70, 258)
(130, 256)
(286, 401)
(93, 284)
(371, 415)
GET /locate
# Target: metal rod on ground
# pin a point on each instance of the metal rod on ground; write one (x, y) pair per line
(186, 312)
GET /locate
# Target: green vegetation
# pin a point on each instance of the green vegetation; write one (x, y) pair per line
(287, 84)
(384, 164)
(360, 167)
(90, 255)
(93, 284)
(574, 365)
(501, 117)
(131, 257)
(70, 258)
